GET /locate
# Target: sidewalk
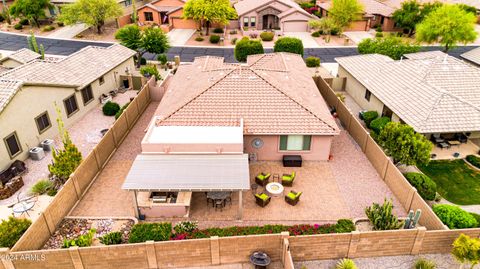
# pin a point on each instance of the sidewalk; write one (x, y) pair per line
(69, 31)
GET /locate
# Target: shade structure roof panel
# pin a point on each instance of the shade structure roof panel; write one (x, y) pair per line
(188, 173)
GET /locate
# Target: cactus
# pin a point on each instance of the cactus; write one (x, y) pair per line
(412, 219)
(134, 13)
(382, 217)
(42, 51)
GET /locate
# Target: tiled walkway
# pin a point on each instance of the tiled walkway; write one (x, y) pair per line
(105, 198)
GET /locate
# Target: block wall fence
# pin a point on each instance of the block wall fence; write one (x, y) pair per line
(432, 238)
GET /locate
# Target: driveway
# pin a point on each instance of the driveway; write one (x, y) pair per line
(307, 39)
(69, 31)
(358, 36)
(178, 37)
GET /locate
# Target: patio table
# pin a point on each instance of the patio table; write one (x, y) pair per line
(218, 195)
(23, 207)
(454, 143)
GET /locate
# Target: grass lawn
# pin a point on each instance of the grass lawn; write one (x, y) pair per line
(456, 181)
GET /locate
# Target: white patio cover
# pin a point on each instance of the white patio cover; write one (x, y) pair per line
(188, 173)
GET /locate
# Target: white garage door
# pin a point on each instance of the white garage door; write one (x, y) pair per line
(295, 26)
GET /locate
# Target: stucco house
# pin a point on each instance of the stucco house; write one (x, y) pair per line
(29, 90)
(431, 91)
(375, 13)
(283, 15)
(215, 117)
(166, 13)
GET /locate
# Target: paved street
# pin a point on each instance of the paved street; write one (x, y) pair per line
(64, 47)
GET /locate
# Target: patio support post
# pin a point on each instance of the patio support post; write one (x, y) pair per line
(240, 205)
(135, 201)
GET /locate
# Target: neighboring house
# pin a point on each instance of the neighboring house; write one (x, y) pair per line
(215, 117)
(375, 13)
(29, 91)
(167, 13)
(472, 56)
(430, 91)
(283, 15)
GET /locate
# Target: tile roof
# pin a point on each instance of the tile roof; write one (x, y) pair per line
(22, 56)
(272, 93)
(76, 70)
(431, 91)
(472, 56)
(369, 6)
(246, 6)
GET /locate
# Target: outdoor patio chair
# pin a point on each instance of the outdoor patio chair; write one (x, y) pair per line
(437, 138)
(293, 197)
(262, 199)
(262, 179)
(287, 179)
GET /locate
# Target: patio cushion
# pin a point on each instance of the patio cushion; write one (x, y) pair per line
(287, 178)
(291, 195)
(262, 196)
(263, 176)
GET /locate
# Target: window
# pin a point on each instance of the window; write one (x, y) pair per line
(245, 22)
(252, 21)
(368, 94)
(128, 3)
(43, 122)
(295, 142)
(71, 105)
(101, 80)
(13, 145)
(87, 95)
(148, 16)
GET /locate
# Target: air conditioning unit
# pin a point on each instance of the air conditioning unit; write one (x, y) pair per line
(36, 153)
(47, 144)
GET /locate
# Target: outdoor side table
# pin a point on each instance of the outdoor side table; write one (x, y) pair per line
(23, 207)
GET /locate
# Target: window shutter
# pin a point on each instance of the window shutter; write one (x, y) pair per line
(283, 142)
(307, 141)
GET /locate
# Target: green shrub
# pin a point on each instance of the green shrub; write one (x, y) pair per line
(346, 264)
(425, 186)
(454, 217)
(24, 21)
(218, 30)
(382, 217)
(378, 28)
(424, 264)
(42, 186)
(60, 23)
(18, 26)
(369, 116)
(48, 28)
(11, 230)
(142, 232)
(344, 226)
(474, 160)
(289, 44)
(335, 31)
(84, 240)
(234, 41)
(162, 58)
(52, 192)
(267, 36)
(110, 108)
(185, 227)
(112, 238)
(150, 71)
(214, 39)
(2, 18)
(379, 34)
(246, 47)
(233, 32)
(312, 61)
(477, 217)
(199, 39)
(391, 46)
(377, 124)
(316, 34)
(119, 113)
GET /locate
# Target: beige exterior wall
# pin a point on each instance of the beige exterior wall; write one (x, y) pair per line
(9, 63)
(357, 91)
(319, 148)
(19, 116)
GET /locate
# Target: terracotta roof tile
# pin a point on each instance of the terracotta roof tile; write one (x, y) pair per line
(270, 98)
(22, 56)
